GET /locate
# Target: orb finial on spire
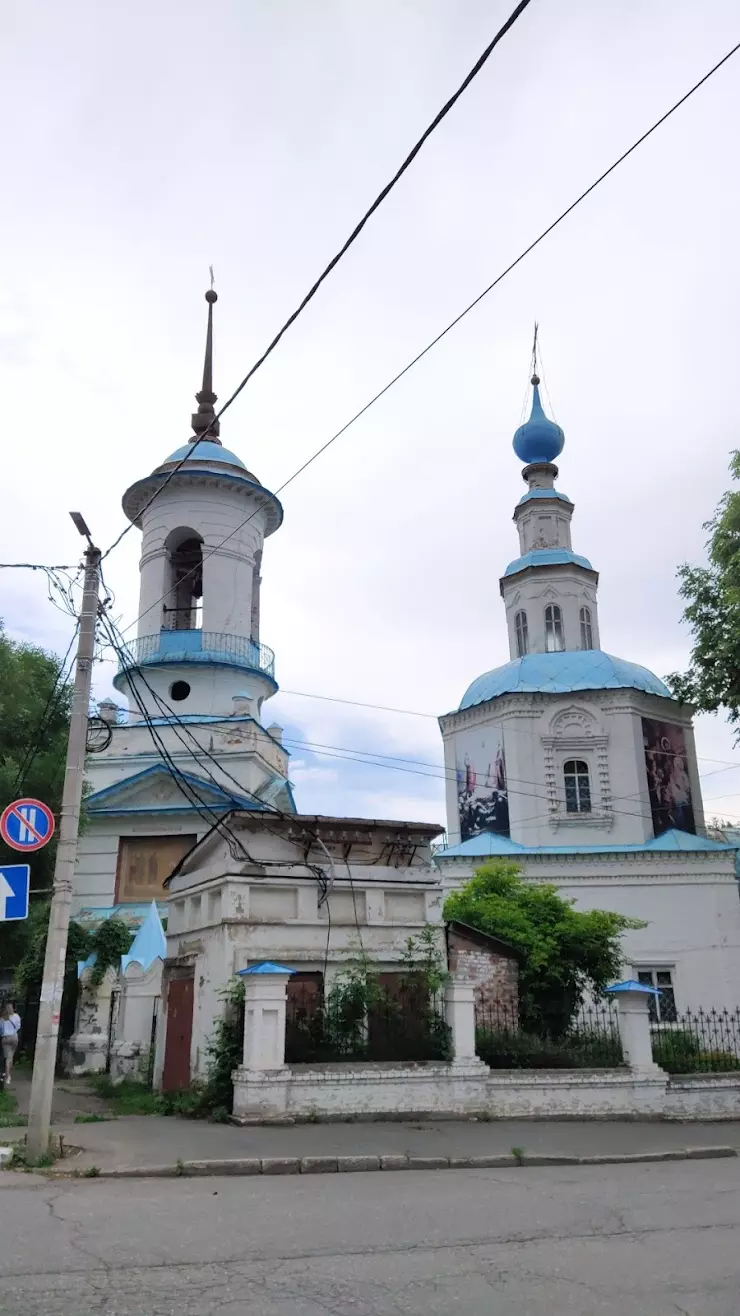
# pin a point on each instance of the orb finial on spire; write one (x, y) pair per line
(205, 417)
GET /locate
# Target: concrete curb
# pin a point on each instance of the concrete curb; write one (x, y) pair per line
(362, 1164)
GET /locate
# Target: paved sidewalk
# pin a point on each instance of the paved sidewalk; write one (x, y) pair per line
(156, 1142)
(159, 1143)
(72, 1096)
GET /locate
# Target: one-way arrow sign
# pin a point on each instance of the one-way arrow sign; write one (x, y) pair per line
(15, 879)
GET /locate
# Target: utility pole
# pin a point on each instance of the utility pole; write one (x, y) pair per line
(45, 1055)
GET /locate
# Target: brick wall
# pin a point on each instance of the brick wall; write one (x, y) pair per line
(495, 973)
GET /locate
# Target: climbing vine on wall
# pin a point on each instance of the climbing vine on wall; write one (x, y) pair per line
(109, 941)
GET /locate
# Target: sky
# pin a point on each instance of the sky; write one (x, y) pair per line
(145, 142)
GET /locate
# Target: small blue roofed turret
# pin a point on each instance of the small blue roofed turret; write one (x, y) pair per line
(631, 985)
(266, 967)
(149, 944)
(538, 440)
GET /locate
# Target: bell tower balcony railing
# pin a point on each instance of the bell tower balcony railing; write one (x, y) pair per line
(197, 646)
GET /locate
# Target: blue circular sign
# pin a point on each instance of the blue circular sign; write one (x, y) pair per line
(27, 825)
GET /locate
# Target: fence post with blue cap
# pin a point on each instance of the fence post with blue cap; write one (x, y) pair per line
(634, 1023)
(265, 993)
(261, 1083)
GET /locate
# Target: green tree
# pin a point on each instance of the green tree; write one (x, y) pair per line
(565, 952)
(712, 595)
(34, 721)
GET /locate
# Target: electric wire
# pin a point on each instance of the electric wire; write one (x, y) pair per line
(414, 361)
(354, 235)
(200, 753)
(185, 786)
(56, 694)
(450, 775)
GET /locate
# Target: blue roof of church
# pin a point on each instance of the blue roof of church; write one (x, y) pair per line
(543, 493)
(547, 557)
(205, 452)
(561, 673)
(488, 845)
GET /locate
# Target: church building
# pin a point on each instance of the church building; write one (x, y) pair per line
(580, 767)
(190, 803)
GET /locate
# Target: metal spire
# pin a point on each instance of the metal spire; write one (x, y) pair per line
(204, 418)
(535, 377)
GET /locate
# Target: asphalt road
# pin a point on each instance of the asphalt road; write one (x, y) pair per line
(642, 1240)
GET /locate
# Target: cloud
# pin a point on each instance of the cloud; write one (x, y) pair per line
(302, 774)
(382, 583)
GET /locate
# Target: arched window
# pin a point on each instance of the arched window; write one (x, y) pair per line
(182, 610)
(522, 634)
(554, 641)
(587, 634)
(577, 786)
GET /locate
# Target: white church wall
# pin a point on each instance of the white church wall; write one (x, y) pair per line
(247, 751)
(213, 688)
(541, 732)
(97, 852)
(225, 924)
(213, 508)
(690, 904)
(532, 590)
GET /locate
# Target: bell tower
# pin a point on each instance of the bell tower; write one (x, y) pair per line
(204, 519)
(549, 591)
(192, 747)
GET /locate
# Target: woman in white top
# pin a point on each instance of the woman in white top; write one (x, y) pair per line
(8, 1038)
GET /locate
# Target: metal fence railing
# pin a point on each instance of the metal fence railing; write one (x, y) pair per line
(391, 1025)
(591, 1041)
(700, 1041)
(197, 646)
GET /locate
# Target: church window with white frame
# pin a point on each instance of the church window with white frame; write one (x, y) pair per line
(587, 633)
(554, 637)
(577, 781)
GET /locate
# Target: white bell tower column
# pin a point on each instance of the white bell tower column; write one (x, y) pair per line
(204, 519)
(549, 591)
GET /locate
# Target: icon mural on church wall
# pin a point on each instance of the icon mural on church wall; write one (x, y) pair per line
(668, 777)
(482, 799)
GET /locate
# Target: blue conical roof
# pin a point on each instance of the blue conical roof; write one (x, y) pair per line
(149, 944)
(538, 439)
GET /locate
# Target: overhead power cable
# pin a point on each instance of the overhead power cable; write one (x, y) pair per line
(199, 754)
(56, 694)
(449, 775)
(354, 235)
(434, 717)
(36, 566)
(433, 343)
(185, 786)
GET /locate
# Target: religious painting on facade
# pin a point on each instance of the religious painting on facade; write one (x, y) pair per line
(482, 799)
(668, 777)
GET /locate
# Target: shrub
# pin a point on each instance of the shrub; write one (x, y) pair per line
(525, 1050)
(677, 1051)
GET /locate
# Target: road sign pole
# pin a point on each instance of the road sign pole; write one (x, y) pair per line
(44, 1061)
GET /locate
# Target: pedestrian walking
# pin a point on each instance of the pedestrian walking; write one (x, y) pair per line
(8, 1038)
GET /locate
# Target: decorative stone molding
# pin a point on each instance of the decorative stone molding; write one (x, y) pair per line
(575, 734)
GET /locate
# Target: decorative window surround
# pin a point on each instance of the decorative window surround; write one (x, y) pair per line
(592, 748)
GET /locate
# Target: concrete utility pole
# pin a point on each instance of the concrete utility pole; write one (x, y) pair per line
(44, 1061)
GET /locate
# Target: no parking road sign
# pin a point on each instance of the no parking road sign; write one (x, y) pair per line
(27, 825)
(15, 879)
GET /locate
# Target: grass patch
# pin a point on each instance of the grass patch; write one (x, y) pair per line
(21, 1159)
(128, 1097)
(92, 1119)
(9, 1117)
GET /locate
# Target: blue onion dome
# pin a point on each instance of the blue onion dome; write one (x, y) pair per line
(538, 439)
